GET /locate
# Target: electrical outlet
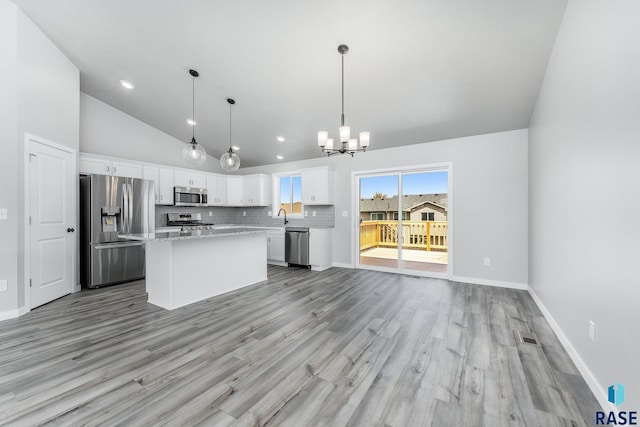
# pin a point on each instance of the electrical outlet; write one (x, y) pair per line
(592, 330)
(487, 262)
(244, 213)
(210, 213)
(269, 212)
(4, 214)
(306, 213)
(345, 213)
(3, 285)
(313, 213)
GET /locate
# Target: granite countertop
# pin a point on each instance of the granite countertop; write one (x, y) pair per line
(193, 234)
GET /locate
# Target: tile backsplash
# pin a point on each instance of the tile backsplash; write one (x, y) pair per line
(325, 216)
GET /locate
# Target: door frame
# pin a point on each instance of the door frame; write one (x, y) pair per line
(27, 210)
(355, 197)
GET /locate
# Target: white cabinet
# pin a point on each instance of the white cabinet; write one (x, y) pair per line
(317, 186)
(275, 246)
(320, 243)
(257, 190)
(90, 163)
(235, 190)
(248, 190)
(216, 190)
(189, 178)
(163, 180)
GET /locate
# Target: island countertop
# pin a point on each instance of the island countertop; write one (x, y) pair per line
(193, 234)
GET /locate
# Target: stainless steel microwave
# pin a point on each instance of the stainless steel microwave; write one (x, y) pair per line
(185, 196)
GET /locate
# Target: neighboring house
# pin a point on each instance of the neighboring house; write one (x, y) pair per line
(415, 207)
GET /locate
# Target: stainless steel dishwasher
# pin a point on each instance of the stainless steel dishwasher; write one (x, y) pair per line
(296, 246)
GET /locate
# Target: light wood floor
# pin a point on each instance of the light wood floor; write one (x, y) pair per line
(340, 347)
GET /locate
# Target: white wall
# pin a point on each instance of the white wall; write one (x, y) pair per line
(8, 154)
(42, 98)
(110, 132)
(489, 199)
(585, 146)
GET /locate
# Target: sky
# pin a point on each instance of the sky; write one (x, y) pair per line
(418, 183)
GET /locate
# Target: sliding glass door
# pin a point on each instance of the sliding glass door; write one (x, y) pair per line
(404, 221)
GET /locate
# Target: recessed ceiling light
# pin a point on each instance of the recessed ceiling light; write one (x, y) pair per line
(279, 157)
(280, 138)
(127, 84)
(235, 147)
(192, 122)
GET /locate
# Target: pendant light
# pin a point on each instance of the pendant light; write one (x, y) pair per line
(193, 153)
(348, 145)
(230, 160)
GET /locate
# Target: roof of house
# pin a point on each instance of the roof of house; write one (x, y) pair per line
(410, 202)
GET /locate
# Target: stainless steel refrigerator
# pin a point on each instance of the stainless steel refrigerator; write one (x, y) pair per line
(111, 205)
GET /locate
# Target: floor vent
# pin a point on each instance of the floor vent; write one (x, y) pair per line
(527, 338)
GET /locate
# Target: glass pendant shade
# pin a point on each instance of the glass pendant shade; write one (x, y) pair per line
(230, 161)
(364, 139)
(345, 133)
(329, 143)
(322, 138)
(193, 153)
(353, 144)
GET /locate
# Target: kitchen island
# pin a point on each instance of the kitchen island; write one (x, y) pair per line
(186, 267)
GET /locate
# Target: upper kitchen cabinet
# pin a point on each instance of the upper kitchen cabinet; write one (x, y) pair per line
(257, 190)
(317, 186)
(163, 180)
(216, 190)
(189, 178)
(235, 190)
(93, 164)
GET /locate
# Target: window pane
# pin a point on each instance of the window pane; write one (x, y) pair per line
(296, 196)
(285, 193)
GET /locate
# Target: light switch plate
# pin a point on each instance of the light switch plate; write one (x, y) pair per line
(4, 213)
(306, 213)
(313, 213)
(3, 285)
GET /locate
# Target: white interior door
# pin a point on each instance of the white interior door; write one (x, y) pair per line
(52, 211)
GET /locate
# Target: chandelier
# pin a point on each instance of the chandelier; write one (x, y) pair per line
(347, 144)
(192, 152)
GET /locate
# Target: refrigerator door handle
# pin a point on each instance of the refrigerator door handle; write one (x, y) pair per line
(125, 209)
(130, 205)
(118, 245)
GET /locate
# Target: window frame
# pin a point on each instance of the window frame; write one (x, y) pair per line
(428, 214)
(395, 216)
(277, 197)
(371, 214)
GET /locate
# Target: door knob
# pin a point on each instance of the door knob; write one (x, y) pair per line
(70, 230)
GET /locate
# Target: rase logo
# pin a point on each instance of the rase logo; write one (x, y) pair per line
(615, 395)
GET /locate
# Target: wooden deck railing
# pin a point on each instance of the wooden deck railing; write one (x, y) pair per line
(427, 235)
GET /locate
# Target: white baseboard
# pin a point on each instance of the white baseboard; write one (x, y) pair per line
(280, 263)
(10, 314)
(488, 282)
(595, 386)
(326, 267)
(342, 265)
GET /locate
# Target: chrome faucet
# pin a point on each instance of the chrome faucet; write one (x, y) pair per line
(285, 215)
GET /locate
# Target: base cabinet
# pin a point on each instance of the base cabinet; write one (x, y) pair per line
(275, 247)
(320, 243)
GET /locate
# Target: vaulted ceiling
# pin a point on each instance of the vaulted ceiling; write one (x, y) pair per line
(417, 70)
